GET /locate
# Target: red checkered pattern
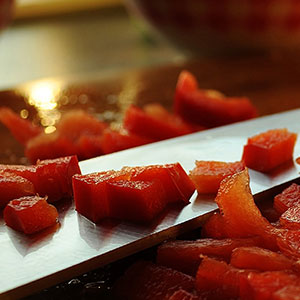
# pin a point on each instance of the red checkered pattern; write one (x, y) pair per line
(276, 20)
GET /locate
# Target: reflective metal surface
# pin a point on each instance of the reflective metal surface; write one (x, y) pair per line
(77, 245)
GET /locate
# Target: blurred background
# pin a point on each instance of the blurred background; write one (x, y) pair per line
(63, 38)
(50, 38)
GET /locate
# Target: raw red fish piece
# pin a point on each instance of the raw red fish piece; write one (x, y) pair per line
(260, 259)
(23, 130)
(291, 218)
(262, 286)
(207, 175)
(290, 292)
(30, 214)
(139, 122)
(109, 193)
(185, 256)
(137, 201)
(289, 243)
(208, 109)
(288, 198)
(144, 280)
(13, 186)
(216, 275)
(51, 178)
(240, 212)
(113, 141)
(265, 151)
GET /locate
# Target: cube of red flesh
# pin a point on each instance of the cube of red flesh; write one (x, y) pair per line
(30, 214)
(113, 141)
(260, 259)
(267, 150)
(289, 197)
(23, 130)
(170, 182)
(176, 182)
(291, 218)
(49, 146)
(90, 194)
(54, 177)
(214, 274)
(137, 201)
(51, 178)
(289, 243)
(207, 175)
(185, 256)
(13, 186)
(144, 280)
(139, 122)
(260, 286)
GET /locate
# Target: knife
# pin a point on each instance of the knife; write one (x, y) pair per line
(29, 264)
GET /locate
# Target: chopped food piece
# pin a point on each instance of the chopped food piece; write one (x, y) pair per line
(145, 280)
(13, 186)
(288, 198)
(268, 150)
(208, 109)
(185, 256)
(263, 285)
(291, 218)
(30, 214)
(113, 141)
(260, 259)
(216, 275)
(126, 194)
(54, 177)
(51, 178)
(77, 133)
(138, 201)
(215, 227)
(178, 185)
(289, 243)
(48, 146)
(157, 127)
(23, 130)
(240, 212)
(90, 194)
(77, 123)
(207, 175)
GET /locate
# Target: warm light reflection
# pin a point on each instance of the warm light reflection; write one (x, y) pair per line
(44, 96)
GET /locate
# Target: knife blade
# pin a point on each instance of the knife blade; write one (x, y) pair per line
(30, 264)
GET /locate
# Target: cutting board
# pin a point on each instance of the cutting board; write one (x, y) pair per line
(29, 264)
